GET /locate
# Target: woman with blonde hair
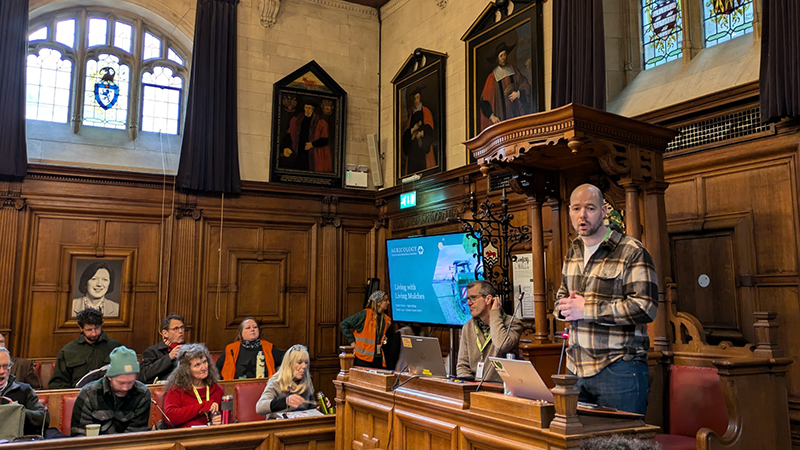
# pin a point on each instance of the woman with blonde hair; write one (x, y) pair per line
(193, 393)
(290, 389)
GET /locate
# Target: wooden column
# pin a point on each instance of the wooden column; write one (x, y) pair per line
(632, 222)
(656, 241)
(539, 290)
(182, 281)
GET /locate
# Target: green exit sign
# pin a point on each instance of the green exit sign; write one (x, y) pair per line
(408, 199)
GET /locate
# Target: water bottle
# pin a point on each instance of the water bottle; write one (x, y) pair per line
(260, 365)
(227, 409)
(505, 388)
(323, 405)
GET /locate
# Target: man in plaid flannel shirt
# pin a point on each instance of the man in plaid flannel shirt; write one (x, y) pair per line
(608, 294)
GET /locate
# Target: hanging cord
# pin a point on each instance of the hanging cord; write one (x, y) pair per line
(161, 222)
(219, 254)
(171, 233)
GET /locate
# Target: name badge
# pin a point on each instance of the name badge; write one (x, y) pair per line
(479, 371)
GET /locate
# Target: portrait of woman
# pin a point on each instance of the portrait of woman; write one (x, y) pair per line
(92, 290)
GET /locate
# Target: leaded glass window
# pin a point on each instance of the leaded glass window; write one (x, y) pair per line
(133, 74)
(662, 31)
(724, 20)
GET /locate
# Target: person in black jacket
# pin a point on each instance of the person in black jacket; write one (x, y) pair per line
(88, 352)
(159, 360)
(36, 417)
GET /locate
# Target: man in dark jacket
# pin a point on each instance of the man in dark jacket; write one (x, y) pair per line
(118, 402)
(86, 353)
(36, 418)
(159, 360)
(22, 369)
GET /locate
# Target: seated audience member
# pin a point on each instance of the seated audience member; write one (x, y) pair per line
(118, 402)
(159, 360)
(193, 395)
(22, 369)
(290, 389)
(367, 330)
(88, 352)
(36, 418)
(618, 442)
(240, 358)
(490, 332)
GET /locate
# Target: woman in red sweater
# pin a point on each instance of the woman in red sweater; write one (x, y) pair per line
(193, 395)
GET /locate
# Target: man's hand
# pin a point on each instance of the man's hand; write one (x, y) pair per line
(572, 307)
(174, 352)
(513, 96)
(309, 145)
(294, 400)
(496, 303)
(494, 118)
(287, 152)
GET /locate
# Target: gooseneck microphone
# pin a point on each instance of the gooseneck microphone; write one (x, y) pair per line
(565, 337)
(169, 422)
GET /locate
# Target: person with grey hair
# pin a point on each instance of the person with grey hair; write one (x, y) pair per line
(490, 332)
(22, 369)
(193, 395)
(367, 329)
(12, 391)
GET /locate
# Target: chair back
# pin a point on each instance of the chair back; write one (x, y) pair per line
(696, 401)
(245, 397)
(67, 402)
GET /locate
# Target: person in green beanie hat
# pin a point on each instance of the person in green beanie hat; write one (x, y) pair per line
(118, 402)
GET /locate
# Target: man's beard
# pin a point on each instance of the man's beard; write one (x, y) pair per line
(592, 229)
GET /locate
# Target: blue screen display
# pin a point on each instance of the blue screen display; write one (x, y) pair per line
(428, 278)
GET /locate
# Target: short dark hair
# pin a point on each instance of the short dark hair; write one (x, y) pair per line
(166, 320)
(89, 316)
(89, 272)
(618, 442)
(484, 287)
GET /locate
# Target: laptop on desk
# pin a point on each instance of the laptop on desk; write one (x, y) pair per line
(522, 379)
(424, 356)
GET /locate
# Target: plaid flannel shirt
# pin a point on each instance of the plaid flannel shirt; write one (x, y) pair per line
(96, 403)
(621, 292)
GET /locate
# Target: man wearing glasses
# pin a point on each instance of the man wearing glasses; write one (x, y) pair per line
(12, 391)
(490, 332)
(159, 360)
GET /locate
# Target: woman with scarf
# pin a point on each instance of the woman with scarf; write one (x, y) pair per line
(240, 358)
(193, 393)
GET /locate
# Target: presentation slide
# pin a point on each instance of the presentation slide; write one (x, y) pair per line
(428, 278)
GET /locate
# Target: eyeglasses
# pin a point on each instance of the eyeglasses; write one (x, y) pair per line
(474, 298)
(6, 366)
(176, 329)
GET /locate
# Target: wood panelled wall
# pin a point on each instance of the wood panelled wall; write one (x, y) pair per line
(296, 259)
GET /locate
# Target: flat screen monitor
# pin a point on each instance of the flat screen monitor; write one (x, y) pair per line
(428, 278)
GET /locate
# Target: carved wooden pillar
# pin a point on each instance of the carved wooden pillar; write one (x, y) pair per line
(632, 223)
(656, 241)
(565, 399)
(11, 205)
(182, 281)
(539, 289)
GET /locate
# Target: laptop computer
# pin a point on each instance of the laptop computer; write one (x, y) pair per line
(423, 355)
(522, 379)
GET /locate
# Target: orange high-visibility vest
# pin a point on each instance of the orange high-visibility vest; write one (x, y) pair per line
(365, 339)
(232, 355)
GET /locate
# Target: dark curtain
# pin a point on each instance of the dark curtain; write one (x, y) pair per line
(210, 150)
(780, 59)
(579, 55)
(13, 51)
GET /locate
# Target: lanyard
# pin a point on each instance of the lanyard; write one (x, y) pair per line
(197, 394)
(481, 346)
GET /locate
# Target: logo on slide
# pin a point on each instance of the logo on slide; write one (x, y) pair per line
(420, 250)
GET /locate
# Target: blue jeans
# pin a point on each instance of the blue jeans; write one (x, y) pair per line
(622, 385)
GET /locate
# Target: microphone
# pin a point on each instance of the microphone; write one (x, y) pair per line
(45, 418)
(565, 336)
(169, 422)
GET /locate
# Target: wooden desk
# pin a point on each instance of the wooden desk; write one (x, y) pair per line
(313, 432)
(429, 413)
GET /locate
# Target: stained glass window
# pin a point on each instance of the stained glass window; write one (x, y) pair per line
(724, 20)
(134, 65)
(98, 95)
(161, 101)
(98, 28)
(48, 81)
(662, 31)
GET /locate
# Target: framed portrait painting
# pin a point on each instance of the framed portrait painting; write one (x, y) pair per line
(505, 64)
(419, 112)
(308, 125)
(96, 284)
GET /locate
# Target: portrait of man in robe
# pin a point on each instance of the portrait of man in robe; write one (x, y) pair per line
(420, 138)
(506, 91)
(306, 141)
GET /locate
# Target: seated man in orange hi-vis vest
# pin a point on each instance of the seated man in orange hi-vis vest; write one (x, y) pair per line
(240, 358)
(366, 329)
